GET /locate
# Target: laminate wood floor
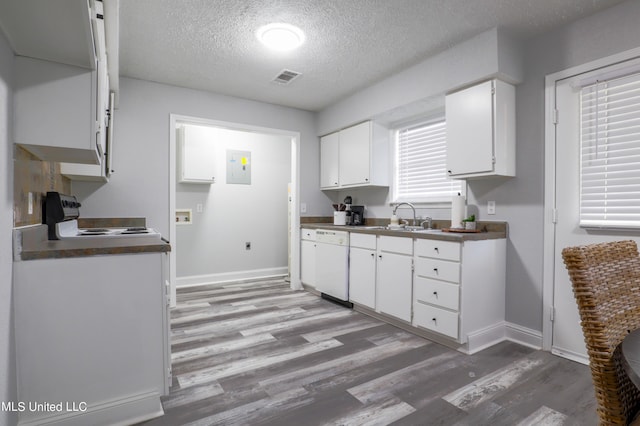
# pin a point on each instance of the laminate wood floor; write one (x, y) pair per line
(258, 353)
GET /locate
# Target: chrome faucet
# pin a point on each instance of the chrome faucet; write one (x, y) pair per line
(412, 208)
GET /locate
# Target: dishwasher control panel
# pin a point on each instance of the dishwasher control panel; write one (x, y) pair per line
(339, 238)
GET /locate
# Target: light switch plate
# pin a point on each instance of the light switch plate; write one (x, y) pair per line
(491, 207)
(303, 207)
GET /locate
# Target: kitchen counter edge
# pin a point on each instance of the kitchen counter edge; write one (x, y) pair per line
(31, 243)
(443, 236)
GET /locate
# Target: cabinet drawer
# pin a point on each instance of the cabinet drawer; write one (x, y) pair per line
(436, 319)
(438, 293)
(395, 244)
(438, 269)
(308, 234)
(367, 241)
(448, 250)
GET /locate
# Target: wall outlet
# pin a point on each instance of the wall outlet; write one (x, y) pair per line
(491, 207)
(247, 245)
(199, 208)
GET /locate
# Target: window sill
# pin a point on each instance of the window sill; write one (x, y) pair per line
(424, 204)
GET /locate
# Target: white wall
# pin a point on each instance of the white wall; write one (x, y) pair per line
(421, 86)
(235, 213)
(7, 357)
(140, 184)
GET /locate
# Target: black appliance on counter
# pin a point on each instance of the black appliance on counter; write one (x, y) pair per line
(357, 216)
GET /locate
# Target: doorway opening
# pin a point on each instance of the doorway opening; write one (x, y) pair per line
(243, 225)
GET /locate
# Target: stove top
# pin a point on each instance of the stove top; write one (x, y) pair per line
(69, 229)
(62, 211)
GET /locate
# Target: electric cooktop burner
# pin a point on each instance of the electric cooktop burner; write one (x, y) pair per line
(69, 229)
(62, 211)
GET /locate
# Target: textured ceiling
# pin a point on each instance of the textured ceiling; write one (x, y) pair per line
(211, 45)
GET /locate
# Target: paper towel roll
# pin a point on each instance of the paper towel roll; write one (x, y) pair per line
(457, 211)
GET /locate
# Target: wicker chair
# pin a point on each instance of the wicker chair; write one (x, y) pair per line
(606, 285)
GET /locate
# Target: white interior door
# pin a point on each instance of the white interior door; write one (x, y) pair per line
(567, 339)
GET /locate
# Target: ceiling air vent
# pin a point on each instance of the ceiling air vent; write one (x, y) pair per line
(286, 77)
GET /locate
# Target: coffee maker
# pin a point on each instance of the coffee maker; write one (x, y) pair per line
(355, 214)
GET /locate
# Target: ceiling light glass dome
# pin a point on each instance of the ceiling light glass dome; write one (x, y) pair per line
(281, 37)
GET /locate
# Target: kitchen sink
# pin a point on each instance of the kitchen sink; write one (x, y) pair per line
(418, 229)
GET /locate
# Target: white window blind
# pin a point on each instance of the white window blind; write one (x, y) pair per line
(420, 169)
(610, 153)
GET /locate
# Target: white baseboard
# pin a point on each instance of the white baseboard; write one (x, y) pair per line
(570, 355)
(523, 335)
(125, 411)
(225, 277)
(484, 338)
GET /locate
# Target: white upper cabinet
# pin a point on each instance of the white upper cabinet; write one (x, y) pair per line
(355, 156)
(355, 153)
(481, 136)
(62, 94)
(56, 31)
(61, 99)
(56, 111)
(196, 154)
(329, 161)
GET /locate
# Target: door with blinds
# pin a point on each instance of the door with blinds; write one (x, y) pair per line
(597, 187)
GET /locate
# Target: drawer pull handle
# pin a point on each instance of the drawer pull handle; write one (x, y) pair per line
(435, 270)
(436, 249)
(380, 256)
(435, 293)
(434, 320)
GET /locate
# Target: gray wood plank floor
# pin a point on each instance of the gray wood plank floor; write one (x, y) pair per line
(258, 353)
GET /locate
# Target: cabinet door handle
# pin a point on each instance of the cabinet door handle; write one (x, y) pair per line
(373, 255)
(435, 270)
(434, 320)
(379, 256)
(366, 180)
(449, 171)
(436, 249)
(435, 293)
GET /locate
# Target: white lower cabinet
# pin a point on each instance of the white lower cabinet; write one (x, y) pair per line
(394, 280)
(308, 257)
(435, 319)
(459, 290)
(362, 269)
(92, 330)
(453, 289)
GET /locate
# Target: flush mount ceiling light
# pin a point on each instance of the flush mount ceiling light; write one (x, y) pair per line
(281, 37)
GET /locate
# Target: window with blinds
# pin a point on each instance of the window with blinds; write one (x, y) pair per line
(420, 169)
(610, 153)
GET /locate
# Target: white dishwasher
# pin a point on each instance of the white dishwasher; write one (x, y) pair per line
(332, 265)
